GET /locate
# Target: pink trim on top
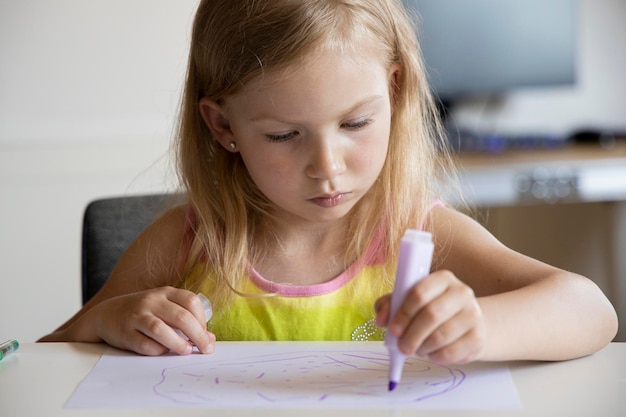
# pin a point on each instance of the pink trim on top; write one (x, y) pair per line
(336, 283)
(304, 290)
(436, 203)
(328, 287)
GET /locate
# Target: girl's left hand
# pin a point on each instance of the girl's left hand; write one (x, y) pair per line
(440, 318)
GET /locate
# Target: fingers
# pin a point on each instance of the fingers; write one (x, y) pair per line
(183, 312)
(382, 308)
(440, 318)
(458, 340)
(462, 350)
(154, 337)
(154, 322)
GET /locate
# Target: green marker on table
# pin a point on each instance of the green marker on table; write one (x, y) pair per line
(8, 347)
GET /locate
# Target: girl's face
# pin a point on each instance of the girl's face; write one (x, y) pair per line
(313, 138)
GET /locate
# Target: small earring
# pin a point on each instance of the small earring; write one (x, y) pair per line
(232, 146)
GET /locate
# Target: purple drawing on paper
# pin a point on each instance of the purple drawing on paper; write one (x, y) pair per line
(324, 377)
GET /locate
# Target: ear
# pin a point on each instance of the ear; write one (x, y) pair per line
(213, 115)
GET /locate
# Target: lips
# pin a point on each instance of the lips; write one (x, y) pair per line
(329, 200)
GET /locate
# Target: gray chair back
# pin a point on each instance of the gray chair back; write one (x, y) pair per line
(109, 227)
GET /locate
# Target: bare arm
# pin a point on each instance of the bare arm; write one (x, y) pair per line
(139, 307)
(532, 310)
(488, 302)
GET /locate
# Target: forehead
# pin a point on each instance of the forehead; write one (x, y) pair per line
(323, 63)
(321, 81)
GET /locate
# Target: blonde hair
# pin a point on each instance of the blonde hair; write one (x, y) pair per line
(235, 41)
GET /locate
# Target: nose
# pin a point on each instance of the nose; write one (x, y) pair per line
(326, 159)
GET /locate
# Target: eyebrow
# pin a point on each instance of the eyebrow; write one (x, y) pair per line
(365, 101)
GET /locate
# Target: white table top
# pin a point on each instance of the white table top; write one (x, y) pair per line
(39, 378)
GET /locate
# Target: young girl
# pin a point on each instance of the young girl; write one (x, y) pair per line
(308, 144)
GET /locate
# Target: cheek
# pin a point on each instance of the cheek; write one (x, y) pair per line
(266, 172)
(374, 155)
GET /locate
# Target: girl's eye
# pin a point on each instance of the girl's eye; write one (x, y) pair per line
(282, 137)
(358, 124)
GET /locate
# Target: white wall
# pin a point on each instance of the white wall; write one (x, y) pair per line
(88, 94)
(76, 71)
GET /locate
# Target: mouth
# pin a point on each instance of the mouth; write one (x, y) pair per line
(329, 200)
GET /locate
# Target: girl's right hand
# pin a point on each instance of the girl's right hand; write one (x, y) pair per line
(145, 322)
(440, 318)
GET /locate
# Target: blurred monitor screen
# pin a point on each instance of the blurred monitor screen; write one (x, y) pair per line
(480, 47)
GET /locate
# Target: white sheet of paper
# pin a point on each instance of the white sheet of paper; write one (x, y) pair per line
(290, 374)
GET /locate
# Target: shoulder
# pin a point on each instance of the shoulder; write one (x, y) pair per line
(453, 229)
(171, 223)
(461, 242)
(442, 216)
(166, 236)
(473, 254)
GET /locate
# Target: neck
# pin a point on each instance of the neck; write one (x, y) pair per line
(301, 255)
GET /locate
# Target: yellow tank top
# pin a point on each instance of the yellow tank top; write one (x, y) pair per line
(341, 309)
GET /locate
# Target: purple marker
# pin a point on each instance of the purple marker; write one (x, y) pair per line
(416, 253)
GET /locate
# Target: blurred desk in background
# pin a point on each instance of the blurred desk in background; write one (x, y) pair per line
(576, 173)
(536, 202)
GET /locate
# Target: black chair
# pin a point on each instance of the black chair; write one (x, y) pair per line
(109, 227)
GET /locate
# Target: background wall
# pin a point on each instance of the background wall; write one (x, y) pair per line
(88, 95)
